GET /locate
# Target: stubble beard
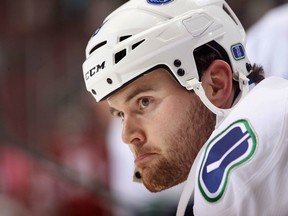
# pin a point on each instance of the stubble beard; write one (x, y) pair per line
(185, 143)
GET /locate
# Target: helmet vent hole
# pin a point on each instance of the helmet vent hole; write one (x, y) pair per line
(122, 38)
(93, 92)
(97, 47)
(109, 81)
(181, 72)
(177, 63)
(120, 55)
(137, 44)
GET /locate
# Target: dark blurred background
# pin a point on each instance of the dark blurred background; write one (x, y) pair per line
(53, 155)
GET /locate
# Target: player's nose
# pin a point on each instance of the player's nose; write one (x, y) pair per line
(132, 132)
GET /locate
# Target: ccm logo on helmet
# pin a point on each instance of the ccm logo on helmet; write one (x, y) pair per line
(94, 70)
(158, 2)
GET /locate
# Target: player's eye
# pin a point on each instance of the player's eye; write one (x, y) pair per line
(120, 115)
(144, 102)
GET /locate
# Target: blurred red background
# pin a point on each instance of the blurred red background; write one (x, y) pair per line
(53, 155)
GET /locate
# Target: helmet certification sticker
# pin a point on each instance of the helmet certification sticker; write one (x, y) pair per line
(227, 151)
(159, 2)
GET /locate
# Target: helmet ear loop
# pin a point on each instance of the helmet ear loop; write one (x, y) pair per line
(196, 86)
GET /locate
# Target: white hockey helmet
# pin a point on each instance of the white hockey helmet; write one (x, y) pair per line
(143, 34)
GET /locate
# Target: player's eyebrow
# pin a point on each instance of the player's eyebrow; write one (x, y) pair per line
(131, 95)
(138, 91)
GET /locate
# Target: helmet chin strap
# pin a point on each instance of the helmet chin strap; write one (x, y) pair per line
(196, 85)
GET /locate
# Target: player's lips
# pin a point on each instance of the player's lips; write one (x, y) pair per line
(144, 158)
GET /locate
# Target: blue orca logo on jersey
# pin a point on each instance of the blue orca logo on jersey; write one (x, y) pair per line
(159, 2)
(228, 150)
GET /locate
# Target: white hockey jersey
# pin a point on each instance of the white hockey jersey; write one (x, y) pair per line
(243, 167)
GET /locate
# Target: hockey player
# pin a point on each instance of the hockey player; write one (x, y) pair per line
(176, 73)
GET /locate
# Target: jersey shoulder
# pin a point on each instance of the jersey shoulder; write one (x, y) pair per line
(245, 154)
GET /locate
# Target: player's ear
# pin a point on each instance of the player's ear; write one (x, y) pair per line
(218, 85)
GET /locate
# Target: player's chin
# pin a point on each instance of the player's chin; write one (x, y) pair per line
(154, 188)
(154, 181)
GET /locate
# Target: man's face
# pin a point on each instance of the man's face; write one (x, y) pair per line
(165, 126)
